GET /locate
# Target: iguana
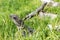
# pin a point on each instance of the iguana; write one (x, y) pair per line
(20, 22)
(20, 25)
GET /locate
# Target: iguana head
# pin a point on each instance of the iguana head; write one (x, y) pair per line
(19, 22)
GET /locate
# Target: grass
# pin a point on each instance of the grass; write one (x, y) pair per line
(23, 7)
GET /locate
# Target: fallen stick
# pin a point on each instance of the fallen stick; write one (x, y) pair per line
(32, 14)
(50, 15)
(51, 3)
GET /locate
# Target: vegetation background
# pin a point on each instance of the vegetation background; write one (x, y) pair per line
(22, 8)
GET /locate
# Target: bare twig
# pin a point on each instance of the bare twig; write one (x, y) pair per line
(32, 14)
(46, 14)
(51, 3)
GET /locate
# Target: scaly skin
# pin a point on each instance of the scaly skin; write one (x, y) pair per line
(20, 22)
(20, 25)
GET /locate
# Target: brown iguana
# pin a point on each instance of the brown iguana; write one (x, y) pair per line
(20, 22)
(20, 25)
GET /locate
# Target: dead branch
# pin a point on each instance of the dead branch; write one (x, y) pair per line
(51, 3)
(32, 14)
(46, 14)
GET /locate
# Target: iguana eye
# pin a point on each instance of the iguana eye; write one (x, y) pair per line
(14, 18)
